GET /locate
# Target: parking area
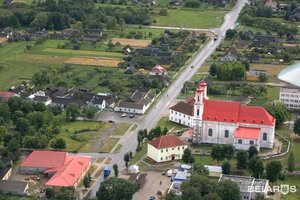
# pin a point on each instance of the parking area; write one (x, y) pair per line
(152, 186)
(117, 117)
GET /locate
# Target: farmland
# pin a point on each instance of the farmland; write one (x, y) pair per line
(131, 42)
(94, 61)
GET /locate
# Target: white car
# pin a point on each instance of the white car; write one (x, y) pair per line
(124, 115)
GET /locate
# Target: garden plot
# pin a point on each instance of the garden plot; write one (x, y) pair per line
(132, 42)
(94, 61)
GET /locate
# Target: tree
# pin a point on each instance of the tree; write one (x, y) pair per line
(187, 156)
(50, 193)
(228, 190)
(213, 69)
(273, 170)
(231, 33)
(90, 113)
(72, 111)
(279, 112)
(163, 12)
(228, 150)
(259, 168)
(200, 169)
(291, 162)
(116, 170)
(263, 78)
(115, 189)
(226, 167)
(126, 159)
(40, 21)
(252, 151)
(297, 126)
(40, 78)
(242, 159)
(212, 196)
(58, 143)
(217, 153)
(3, 132)
(22, 126)
(87, 181)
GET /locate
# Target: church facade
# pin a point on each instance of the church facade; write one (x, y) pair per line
(224, 122)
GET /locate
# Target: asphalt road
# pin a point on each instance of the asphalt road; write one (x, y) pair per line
(161, 106)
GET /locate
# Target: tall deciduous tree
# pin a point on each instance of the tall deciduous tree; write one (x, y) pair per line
(116, 189)
(72, 112)
(273, 170)
(228, 190)
(297, 126)
(187, 156)
(116, 170)
(217, 153)
(226, 167)
(279, 112)
(242, 159)
(252, 151)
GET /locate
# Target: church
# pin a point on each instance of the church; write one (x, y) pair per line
(224, 122)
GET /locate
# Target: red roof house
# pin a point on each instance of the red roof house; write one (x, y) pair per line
(158, 70)
(66, 170)
(4, 96)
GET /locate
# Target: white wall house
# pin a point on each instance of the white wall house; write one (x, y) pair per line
(225, 122)
(166, 148)
(290, 97)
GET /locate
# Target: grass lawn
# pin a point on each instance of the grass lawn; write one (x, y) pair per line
(139, 155)
(121, 129)
(164, 122)
(191, 18)
(82, 135)
(292, 181)
(108, 145)
(273, 93)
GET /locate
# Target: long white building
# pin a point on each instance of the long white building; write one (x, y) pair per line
(290, 97)
(224, 122)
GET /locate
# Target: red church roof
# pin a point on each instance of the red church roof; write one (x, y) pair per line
(69, 174)
(247, 133)
(166, 141)
(45, 159)
(228, 111)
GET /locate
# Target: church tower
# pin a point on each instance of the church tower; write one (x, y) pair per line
(200, 95)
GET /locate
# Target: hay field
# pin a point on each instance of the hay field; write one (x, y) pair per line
(94, 61)
(2, 40)
(131, 42)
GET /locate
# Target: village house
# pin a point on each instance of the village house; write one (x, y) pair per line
(158, 71)
(271, 4)
(5, 96)
(249, 186)
(92, 35)
(290, 96)
(63, 169)
(138, 102)
(14, 187)
(166, 148)
(262, 41)
(252, 58)
(229, 57)
(6, 169)
(224, 122)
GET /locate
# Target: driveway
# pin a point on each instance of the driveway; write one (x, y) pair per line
(152, 185)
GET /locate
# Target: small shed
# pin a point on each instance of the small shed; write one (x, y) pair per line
(215, 171)
(181, 176)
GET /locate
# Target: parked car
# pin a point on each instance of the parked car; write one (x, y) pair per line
(152, 197)
(163, 173)
(111, 121)
(124, 115)
(169, 172)
(131, 116)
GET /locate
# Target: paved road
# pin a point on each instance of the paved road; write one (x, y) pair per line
(161, 106)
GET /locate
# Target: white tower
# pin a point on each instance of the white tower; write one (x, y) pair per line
(198, 113)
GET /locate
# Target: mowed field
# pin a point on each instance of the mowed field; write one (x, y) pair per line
(132, 42)
(191, 18)
(94, 61)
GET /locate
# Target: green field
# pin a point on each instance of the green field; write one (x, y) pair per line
(191, 18)
(165, 123)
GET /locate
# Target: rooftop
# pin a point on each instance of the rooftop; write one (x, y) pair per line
(166, 141)
(14, 187)
(290, 90)
(247, 133)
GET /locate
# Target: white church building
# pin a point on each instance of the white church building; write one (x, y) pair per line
(224, 122)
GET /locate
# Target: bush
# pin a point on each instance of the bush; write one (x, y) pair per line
(163, 12)
(192, 4)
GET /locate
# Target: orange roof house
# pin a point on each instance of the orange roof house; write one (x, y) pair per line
(66, 170)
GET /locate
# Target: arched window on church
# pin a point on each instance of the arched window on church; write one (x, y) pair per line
(251, 142)
(210, 132)
(240, 141)
(265, 136)
(226, 133)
